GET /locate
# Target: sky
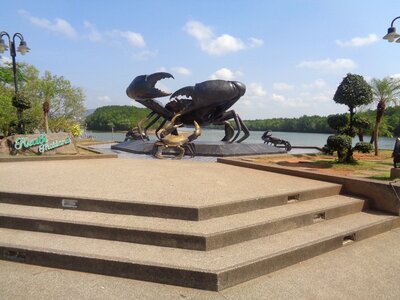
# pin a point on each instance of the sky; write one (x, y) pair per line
(291, 55)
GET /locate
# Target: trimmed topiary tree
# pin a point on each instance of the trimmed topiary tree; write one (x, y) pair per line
(353, 91)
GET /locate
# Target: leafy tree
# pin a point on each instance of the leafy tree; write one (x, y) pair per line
(7, 75)
(7, 111)
(353, 91)
(55, 101)
(64, 102)
(385, 93)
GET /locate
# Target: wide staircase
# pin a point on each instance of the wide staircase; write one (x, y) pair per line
(213, 248)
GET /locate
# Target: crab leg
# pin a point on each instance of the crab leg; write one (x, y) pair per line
(231, 114)
(151, 124)
(229, 131)
(141, 122)
(159, 128)
(245, 130)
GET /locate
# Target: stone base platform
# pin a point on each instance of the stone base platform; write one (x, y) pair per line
(194, 224)
(215, 149)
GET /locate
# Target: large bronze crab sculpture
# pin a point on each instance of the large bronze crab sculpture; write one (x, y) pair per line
(204, 103)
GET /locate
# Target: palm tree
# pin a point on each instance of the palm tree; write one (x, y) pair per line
(385, 92)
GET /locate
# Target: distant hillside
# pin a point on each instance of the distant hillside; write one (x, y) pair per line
(119, 117)
(126, 117)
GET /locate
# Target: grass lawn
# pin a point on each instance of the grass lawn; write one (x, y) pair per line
(366, 165)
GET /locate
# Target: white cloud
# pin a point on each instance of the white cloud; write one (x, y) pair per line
(94, 35)
(282, 86)
(59, 26)
(145, 54)
(359, 41)
(322, 97)
(255, 90)
(255, 95)
(278, 98)
(254, 42)
(317, 84)
(225, 74)
(222, 45)
(182, 71)
(134, 38)
(199, 31)
(337, 65)
(396, 76)
(104, 99)
(289, 102)
(62, 27)
(162, 69)
(217, 45)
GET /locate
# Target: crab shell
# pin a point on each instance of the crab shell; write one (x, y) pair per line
(206, 101)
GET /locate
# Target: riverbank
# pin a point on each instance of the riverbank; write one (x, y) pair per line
(214, 135)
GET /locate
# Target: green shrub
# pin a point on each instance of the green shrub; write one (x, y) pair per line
(341, 143)
(363, 147)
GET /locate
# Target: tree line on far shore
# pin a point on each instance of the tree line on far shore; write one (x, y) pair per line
(115, 117)
(126, 117)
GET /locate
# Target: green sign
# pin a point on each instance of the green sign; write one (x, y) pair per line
(41, 141)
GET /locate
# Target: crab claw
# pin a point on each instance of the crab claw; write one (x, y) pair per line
(143, 86)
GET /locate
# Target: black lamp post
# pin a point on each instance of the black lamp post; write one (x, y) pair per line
(392, 34)
(22, 48)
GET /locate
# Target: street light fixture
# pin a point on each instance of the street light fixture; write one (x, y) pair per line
(22, 48)
(392, 34)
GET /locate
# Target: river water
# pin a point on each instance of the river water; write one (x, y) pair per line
(294, 138)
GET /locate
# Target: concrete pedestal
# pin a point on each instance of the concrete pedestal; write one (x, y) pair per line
(394, 173)
(216, 149)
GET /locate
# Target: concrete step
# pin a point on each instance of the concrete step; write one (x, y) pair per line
(200, 235)
(203, 207)
(211, 270)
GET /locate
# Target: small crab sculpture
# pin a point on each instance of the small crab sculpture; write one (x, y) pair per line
(269, 139)
(170, 138)
(134, 134)
(205, 103)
